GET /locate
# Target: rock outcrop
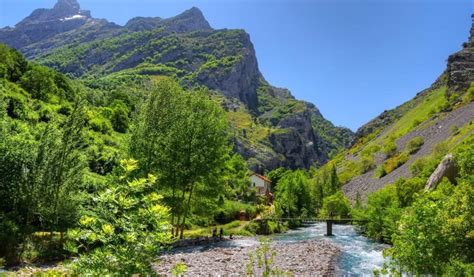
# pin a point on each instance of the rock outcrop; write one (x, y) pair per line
(446, 169)
(42, 24)
(460, 68)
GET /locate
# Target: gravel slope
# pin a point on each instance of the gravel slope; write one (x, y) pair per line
(433, 131)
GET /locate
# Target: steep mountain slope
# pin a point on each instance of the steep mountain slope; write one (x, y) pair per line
(271, 127)
(397, 143)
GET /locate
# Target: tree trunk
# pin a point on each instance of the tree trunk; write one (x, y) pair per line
(185, 214)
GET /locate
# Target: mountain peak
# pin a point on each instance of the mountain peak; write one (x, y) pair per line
(62, 10)
(190, 20)
(67, 5)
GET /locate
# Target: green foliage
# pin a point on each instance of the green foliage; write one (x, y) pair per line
(230, 211)
(41, 178)
(179, 269)
(12, 65)
(101, 125)
(292, 197)
(381, 212)
(436, 232)
(182, 137)
(39, 81)
(263, 258)
(414, 145)
(125, 229)
(366, 164)
(390, 148)
(119, 118)
(395, 162)
(336, 206)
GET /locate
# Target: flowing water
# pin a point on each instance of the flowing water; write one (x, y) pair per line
(360, 255)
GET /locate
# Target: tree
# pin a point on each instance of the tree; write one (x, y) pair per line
(41, 175)
(292, 197)
(183, 138)
(332, 182)
(119, 117)
(336, 206)
(39, 82)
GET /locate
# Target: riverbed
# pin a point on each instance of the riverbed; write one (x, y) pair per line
(303, 252)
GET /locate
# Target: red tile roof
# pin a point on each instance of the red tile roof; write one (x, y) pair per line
(261, 177)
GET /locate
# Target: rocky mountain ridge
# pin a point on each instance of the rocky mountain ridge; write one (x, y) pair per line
(272, 128)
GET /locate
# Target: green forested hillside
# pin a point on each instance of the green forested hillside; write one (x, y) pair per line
(271, 128)
(75, 162)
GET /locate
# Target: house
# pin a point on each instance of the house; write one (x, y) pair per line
(262, 183)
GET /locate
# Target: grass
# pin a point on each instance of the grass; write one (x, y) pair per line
(420, 113)
(235, 227)
(243, 122)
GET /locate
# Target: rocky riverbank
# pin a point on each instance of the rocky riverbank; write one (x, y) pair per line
(306, 258)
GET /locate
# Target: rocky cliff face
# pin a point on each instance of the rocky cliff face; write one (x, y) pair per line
(42, 24)
(272, 128)
(460, 69)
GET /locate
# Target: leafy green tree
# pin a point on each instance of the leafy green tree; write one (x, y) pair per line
(336, 206)
(12, 65)
(41, 177)
(382, 212)
(119, 119)
(124, 231)
(183, 137)
(292, 197)
(436, 231)
(39, 82)
(332, 182)
(236, 178)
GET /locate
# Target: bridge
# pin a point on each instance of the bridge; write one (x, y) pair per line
(309, 220)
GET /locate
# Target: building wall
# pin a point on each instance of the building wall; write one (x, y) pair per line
(261, 185)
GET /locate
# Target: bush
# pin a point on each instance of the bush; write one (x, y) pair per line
(390, 148)
(125, 230)
(382, 213)
(100, 125)
(380, 171)
(366, 164)
(16, 107)
(414, 145)
(395, 162)
(230, 211)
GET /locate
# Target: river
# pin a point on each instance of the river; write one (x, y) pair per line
(360, 255)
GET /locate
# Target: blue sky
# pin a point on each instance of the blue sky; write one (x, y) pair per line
(352, 58)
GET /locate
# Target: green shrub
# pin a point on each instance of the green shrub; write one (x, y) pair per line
(65, 109)
(119, 117)
(100, 125)
(390, 148)
(230, 211)
(125, 229)
(366, 164)
(380, 171)
(395, 162)
(414, 145)
(17, 107)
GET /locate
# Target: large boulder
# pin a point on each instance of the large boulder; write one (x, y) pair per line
(446, 168)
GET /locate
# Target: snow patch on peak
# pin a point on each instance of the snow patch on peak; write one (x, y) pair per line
(76, 16)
